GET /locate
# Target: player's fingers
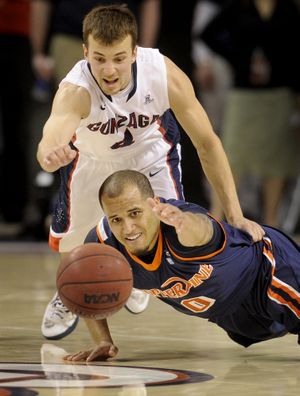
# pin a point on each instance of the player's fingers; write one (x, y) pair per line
(171, 214)
(61, 156)
(155, 206)
(96, 355)
(102, 353)
(68, 152)
(257, 233)
(254, 229)
(51, 158)
(76, 357)
(168, 211)
(113, 350)
(158, 209)
(54, 157)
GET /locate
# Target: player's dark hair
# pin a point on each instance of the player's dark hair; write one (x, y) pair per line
(109, 24)
(116, 183)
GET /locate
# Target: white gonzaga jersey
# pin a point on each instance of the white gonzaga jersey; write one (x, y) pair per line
(133, 129)
(132, 121)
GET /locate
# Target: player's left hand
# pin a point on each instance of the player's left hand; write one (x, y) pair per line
(103, 351)
(251, 227)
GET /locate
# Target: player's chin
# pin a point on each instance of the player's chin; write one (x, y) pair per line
(138, 251)
(137, 246)
(111, 89)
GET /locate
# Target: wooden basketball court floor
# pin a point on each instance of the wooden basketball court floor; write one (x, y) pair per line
(161, 352)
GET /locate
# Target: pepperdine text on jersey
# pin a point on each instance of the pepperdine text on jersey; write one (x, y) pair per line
(182, 286)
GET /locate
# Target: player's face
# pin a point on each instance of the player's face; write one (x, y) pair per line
(111, 64)
(132, 221)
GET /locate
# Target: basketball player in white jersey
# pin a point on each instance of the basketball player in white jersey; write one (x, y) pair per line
(113, 112)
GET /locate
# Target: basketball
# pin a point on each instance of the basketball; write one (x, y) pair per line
(94, 280)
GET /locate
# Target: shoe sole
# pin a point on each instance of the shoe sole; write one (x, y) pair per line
(64, 334)
(132, 312)
(136, 313)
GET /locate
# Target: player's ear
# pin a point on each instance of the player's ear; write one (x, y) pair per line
(85, 51)
(134, 54)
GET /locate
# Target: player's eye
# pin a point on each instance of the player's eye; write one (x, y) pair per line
(119, 60)
(135, 213)
(116, 220)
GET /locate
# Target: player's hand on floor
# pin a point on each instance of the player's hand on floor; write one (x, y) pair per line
(58, 157)
(251, 227)
(168, 214)
(104, 351)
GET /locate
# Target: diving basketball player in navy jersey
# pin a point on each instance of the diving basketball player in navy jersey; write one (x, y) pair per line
(115, 107)
(199, 266)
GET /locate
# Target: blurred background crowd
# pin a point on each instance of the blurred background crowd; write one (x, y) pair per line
(242, 58)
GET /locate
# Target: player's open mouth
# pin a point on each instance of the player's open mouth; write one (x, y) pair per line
(110, 82)
(133, 237)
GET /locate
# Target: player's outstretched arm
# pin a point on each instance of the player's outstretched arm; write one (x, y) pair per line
(192, 229)
(70, 105)
(196, 124)
(104, 348)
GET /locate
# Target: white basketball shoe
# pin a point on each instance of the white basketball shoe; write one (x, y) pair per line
(137, 302)
(58, 321)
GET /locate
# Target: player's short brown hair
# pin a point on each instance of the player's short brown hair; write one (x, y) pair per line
(116, 183)
(109, 24)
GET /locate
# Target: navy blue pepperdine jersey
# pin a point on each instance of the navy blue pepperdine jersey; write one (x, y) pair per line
(204, 281)
(250, 289)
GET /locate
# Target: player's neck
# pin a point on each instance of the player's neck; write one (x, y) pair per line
(149, 256)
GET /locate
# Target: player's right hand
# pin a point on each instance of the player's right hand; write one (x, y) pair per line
(168, 214)
(58, 157)
(103, 351)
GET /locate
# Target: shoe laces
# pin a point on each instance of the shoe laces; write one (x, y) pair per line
(58, 308)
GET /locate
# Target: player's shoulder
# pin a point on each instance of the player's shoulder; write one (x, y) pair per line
(79, 76)
(71, 89)
(179, 85)
(71, 98)
(92, 236)
(145, 53)
(78, 69)
(151, 57)
(101, 232)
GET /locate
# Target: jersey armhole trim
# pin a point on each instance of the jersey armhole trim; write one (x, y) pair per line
(202, 257)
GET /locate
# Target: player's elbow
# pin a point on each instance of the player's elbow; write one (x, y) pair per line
(208, 145)
(41, 159)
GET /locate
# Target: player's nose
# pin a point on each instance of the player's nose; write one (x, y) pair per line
(109, 69)
(128, 226)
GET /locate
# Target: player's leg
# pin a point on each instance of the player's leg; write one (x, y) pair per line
(58, 321)
(246, 327)
(165, 175)
(76, 211)
(282, 300)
